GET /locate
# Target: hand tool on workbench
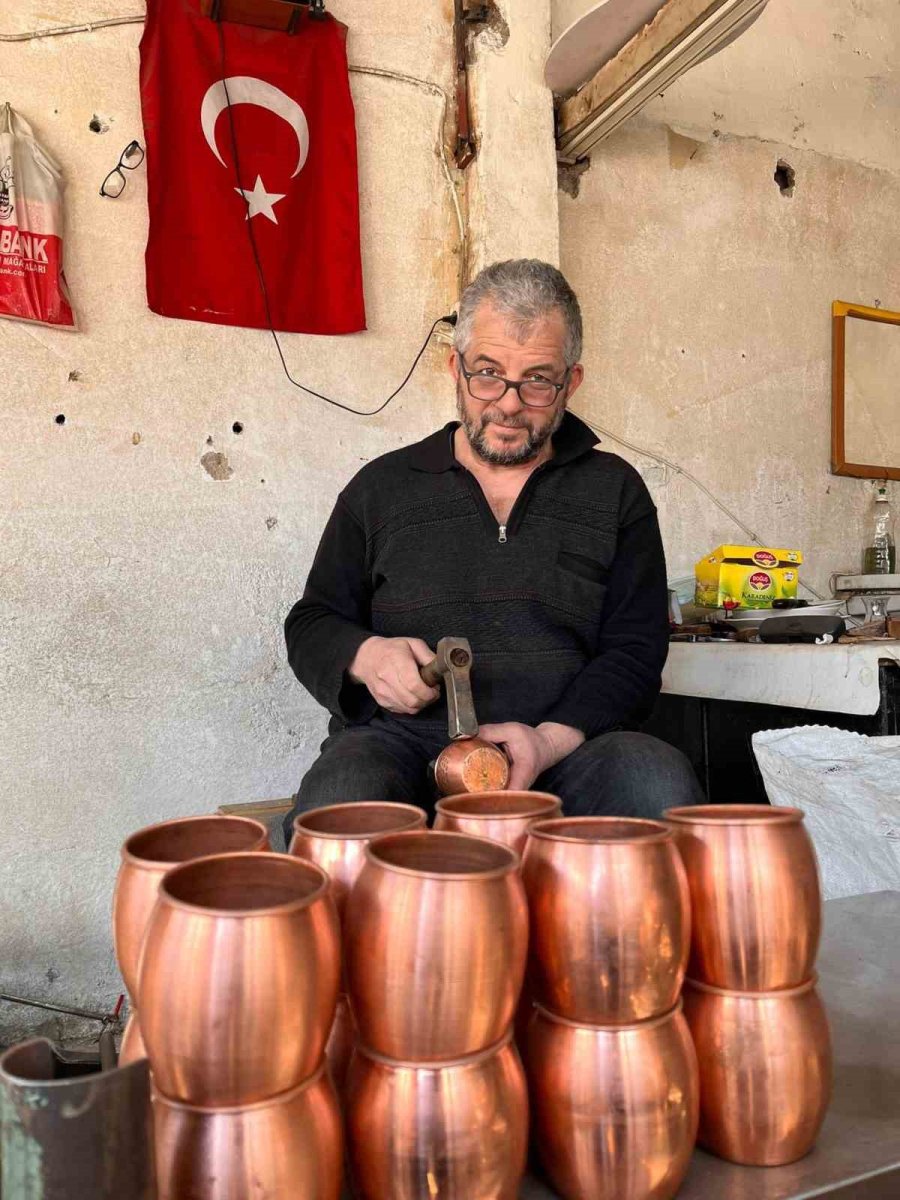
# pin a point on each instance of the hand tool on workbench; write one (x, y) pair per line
(469, 763)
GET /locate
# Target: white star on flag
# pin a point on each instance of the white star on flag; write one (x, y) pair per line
(261, 201)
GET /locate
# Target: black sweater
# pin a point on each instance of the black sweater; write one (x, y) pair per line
(565, 606)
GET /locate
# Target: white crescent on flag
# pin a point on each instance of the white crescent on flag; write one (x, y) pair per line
(247, 89)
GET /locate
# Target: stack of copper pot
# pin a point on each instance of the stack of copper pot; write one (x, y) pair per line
(612, 1070)
(435, 1096)
(336, 838)
(750, 1000)
(232, 955)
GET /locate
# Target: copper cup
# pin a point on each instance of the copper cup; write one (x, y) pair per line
(471, 765)
(132, 1047)
(757, 909)
(504, 816)
(610, 919)
(239, 977)
(437, 931)
(146, 857)
(284, 1148)
(765, 1071)
(336, 838)
(458, 1130)
(614, 1110)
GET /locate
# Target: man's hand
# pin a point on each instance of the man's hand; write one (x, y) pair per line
(531, 750)
(389, 668)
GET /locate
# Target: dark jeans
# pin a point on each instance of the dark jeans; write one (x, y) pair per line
(615, 774)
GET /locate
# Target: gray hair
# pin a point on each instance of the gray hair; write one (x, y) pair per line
(524, 290)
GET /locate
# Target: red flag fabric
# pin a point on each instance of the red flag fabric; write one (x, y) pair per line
(295, 179)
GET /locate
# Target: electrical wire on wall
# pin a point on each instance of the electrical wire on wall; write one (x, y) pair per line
(755, 538)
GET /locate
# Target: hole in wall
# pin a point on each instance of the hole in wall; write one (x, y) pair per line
(784, 176)
(60, 418)
(237, 427)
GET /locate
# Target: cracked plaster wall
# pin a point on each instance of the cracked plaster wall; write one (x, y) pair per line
(707, 293)
(149, 552)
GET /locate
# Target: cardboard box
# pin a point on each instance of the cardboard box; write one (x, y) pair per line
(747, 576)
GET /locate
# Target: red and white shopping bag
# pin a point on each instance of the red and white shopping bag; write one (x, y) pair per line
(32, 283)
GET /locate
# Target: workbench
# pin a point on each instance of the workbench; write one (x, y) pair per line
(716, 695)
(857, 1156)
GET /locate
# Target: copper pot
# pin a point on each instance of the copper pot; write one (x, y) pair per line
(132, 1047)
(336, 838)
(614, 1110)
(504, 816)
(146, 857)
(610, 919)
(341, 1043)
(458, 1131)
(285, 1148)
(239, 977)
(471, 765)
(437, 931)
(757, 909)
(765, 1071)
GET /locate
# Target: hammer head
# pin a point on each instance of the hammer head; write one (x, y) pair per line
(453, 663)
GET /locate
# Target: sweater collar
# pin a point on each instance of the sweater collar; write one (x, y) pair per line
(435, 453)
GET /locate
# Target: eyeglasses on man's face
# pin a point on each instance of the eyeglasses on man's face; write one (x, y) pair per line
(534, 391)
(114, 184)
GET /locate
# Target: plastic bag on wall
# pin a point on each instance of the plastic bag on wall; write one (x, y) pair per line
(32, 284)
(848, 785)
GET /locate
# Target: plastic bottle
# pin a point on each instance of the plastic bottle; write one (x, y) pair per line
(880, 556)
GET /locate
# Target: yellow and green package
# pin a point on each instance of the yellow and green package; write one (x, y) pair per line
(747, 576)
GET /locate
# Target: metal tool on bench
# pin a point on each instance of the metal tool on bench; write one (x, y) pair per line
(469, 763)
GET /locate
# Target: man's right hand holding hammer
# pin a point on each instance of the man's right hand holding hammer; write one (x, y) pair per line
(389, 668)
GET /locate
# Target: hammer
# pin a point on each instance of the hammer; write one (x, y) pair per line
(468, 764)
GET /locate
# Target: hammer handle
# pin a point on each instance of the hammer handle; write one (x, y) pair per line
(431, 673)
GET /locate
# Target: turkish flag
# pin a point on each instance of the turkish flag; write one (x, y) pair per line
(295, 177)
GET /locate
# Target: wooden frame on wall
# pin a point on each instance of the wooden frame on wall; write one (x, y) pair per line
(840, 311)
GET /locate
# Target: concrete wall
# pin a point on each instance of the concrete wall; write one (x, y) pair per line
(142, 670)
(707, 291)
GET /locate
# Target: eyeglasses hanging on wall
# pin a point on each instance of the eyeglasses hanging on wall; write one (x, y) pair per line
(114, 184)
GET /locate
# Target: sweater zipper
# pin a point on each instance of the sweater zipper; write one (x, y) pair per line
(504, 530)
(511, 522)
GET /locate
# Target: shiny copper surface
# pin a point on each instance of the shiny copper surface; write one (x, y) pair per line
(614, 1110)
(239, 977)
(610, 920)
(471, 765)
(336, 838)
(289, 1147)
(458, 1131)
(503, 816)
(757, 908)
(146, 857)
(341, 1042)
(132, 1047)
(765, 1071)
(437, 930)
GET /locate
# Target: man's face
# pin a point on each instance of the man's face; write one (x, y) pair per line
(507, 432)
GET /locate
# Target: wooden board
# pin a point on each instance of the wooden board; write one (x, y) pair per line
(593, 39)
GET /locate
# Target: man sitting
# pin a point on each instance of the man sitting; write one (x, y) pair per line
(509, 528)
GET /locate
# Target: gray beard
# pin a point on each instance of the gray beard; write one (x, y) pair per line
(505, 458)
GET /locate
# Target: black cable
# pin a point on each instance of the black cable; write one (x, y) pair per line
(450, 319)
